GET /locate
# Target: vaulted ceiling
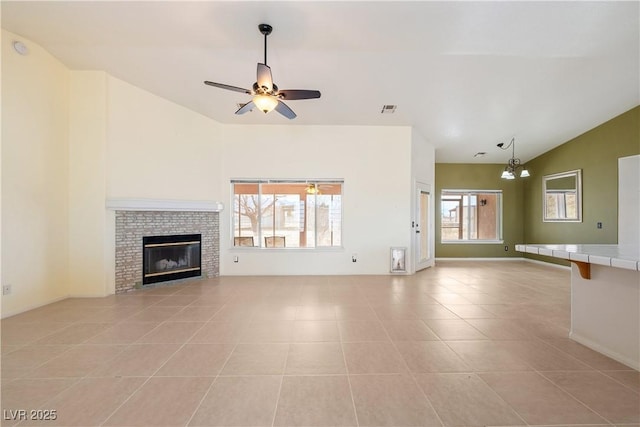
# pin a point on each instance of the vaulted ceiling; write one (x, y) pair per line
(464, 75)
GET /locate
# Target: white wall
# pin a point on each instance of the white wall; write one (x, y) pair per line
(72, 139)
(375, 163)
(87, 183)
(629, 201)
(157, 149)
(35, 232)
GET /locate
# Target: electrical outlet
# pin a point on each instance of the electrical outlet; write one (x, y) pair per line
(6, 289)
(599, 225)
(354, 258)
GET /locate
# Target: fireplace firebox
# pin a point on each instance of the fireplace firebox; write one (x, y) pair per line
(170, 257)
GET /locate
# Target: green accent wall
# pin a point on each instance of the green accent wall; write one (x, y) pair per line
(595, 152)
(456, 176)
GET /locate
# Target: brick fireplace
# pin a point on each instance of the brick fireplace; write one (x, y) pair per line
(135, 221)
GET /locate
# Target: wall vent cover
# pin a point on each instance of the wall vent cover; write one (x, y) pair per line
(388, 109)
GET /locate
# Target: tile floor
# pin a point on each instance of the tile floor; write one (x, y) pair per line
(461, 344)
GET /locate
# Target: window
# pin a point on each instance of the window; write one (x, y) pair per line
(561, 204)
(291, 214)
(471, 216)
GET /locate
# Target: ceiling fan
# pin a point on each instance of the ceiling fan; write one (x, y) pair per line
(266, 95)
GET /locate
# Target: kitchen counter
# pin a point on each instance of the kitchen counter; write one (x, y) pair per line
(605, 297)
(618, 256)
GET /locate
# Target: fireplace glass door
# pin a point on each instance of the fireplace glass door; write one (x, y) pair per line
(171, 257)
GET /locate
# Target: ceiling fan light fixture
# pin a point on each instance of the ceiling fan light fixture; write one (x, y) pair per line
(266, 95)
(312, 189)
(265, 103)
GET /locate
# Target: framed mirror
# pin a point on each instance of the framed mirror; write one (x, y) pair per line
(562, 197)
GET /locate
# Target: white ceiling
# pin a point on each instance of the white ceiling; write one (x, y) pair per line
(465, 75)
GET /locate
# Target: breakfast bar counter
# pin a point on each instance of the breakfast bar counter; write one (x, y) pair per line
(605, 296)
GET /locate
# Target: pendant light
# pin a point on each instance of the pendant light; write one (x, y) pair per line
(514, 165)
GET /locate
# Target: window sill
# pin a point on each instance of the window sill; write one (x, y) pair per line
(259, 249)
(472, 242)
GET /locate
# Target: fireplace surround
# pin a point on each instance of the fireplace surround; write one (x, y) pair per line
(131, 226)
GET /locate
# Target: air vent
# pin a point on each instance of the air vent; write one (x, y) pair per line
(388, 109)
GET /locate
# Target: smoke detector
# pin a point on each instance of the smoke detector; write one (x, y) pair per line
(20, 47)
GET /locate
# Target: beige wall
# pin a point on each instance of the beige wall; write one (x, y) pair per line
(72, 139)
(35, 231)
(87, 182)
(157, 149)
(375, 163)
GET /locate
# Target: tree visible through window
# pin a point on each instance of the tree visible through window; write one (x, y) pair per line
(296, 214)
(470, 215)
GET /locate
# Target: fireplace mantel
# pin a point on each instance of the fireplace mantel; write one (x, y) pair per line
(164, 205)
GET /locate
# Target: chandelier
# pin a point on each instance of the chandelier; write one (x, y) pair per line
(514, 164)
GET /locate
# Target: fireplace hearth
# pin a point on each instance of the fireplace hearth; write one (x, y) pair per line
(171, 257)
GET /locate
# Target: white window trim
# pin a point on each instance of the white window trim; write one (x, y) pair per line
(233, 181)
(464, 192)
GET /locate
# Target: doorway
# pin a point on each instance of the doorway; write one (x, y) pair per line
(422, 227)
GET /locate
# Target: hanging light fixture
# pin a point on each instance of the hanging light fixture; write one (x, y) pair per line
(514, 164)
(312, 189)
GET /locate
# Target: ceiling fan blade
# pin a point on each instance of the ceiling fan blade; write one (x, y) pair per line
(246, 107)
(264, 77)
(228, 87)
(291, 94)
(284, 109)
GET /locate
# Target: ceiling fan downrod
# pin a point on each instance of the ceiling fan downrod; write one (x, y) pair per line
(266, 30)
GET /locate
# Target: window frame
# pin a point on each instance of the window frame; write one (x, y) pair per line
(468, 193)
(260, 238)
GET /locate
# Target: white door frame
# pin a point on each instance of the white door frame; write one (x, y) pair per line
(421, 230)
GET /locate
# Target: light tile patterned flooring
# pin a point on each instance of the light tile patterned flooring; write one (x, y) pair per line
(461, 344)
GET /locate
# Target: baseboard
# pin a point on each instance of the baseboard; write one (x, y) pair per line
(481, 259)
(87, 295)
(607, 352)
(31, 307)
(535, 261)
